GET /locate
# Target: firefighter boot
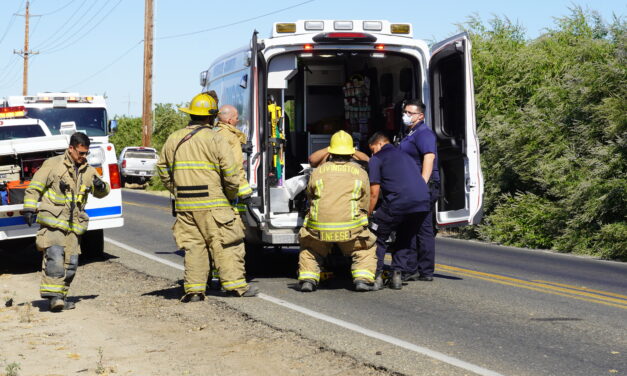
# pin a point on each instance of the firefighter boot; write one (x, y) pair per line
(397, 280)
(252, 291)
(193, 297)
(362, 286)
(307, 286)
(378, 282)
(57, 304)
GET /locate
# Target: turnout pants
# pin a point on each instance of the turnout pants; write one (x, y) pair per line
(215, 234)
(361, 249)
(60, 261)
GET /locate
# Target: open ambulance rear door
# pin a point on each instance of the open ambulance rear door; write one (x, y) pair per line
(452, 108)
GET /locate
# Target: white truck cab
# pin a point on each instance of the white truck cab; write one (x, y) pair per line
(311, 78)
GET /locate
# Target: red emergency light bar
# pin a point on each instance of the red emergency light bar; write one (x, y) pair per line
(12, 112)
(344, 37)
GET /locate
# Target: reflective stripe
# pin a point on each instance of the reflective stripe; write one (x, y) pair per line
(61, 289)
(215, 273)
(309, 275)
(244, 189)
(363, 273)
(335, 225)
(354, 204)
(202, 204)
(30, 203)
(38, 186)
(58, 223)
(316, 202)
(195, 165)
(57, 199)
(163, 169)
(229, 171)
(240, 208)
(195, 287)
(232, 285)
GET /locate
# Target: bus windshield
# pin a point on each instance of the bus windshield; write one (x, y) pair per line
(91, 121)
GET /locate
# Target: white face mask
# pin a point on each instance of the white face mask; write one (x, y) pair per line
(407, 120)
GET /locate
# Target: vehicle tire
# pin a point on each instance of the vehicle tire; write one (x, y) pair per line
(92, 245)
(122, 181)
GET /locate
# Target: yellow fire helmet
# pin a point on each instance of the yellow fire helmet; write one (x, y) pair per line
(341, 144)
(202, 104)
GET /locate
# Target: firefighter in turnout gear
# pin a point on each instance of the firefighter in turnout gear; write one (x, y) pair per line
(339, 193)
(197, 166)
(227, 119)
(62, 184)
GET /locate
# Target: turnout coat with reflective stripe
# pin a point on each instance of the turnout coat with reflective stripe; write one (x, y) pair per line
(58, 209)
(205, 175)
(339, 193)
(236, 139)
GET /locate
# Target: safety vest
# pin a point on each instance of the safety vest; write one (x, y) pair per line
(62, 209)
(339, 195)
(200, 168)
(235, 139)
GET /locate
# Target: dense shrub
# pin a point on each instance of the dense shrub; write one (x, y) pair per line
(552, 118)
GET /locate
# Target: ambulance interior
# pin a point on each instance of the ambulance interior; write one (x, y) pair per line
(359, 92)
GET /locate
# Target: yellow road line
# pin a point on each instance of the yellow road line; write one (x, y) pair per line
(145, 205)
(535, 286)
(583, 289)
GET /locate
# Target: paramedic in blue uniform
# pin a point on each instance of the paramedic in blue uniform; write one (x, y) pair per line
(405, 205)
(420, 144)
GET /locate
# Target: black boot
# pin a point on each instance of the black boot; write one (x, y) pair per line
(397, 280)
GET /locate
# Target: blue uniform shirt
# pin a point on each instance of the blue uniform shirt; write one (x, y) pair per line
(404, 191)
(420, 141)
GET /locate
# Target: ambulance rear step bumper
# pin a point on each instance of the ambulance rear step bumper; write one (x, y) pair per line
(280, 236)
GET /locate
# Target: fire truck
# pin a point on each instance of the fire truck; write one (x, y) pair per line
(311, 78)
(35, 128)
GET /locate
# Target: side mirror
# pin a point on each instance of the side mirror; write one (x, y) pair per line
(113, 126)
(204, 77)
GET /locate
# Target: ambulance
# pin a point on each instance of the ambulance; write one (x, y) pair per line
(35, 128)
(311, 78)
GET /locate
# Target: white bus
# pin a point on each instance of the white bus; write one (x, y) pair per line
(63, 114)
(352, 75)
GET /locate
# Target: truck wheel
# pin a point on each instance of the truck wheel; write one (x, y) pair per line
(92, 245)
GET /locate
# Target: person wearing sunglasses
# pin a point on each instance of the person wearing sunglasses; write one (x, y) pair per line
(62, 185)
(420, 143)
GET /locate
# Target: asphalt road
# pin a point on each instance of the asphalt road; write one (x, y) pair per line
(504, 310)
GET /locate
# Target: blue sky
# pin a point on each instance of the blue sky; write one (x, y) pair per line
(94, 46)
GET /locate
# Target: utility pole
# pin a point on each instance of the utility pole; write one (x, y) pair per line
(25, 53)
(147, 103)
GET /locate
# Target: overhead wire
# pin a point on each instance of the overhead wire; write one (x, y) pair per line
(60, 29)
(107, 66)
(86, 33)
(11, 21)
(59, 9)
(183, 35)
(234, 23)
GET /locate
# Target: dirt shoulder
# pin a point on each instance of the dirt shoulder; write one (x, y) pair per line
(129, 323)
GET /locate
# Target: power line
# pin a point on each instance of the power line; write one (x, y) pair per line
(84, 34)
(54, 34)
(106, 66)
(11, 22)
(59, 9)
(234, 23)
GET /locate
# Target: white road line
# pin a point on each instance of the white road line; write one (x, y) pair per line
(145, 254)
(344, 324)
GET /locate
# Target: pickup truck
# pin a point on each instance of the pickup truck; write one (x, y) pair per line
(137, 164)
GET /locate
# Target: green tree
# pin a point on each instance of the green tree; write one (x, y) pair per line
(128, 133)
(553, 128)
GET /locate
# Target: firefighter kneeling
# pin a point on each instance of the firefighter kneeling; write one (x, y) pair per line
(339, 193)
